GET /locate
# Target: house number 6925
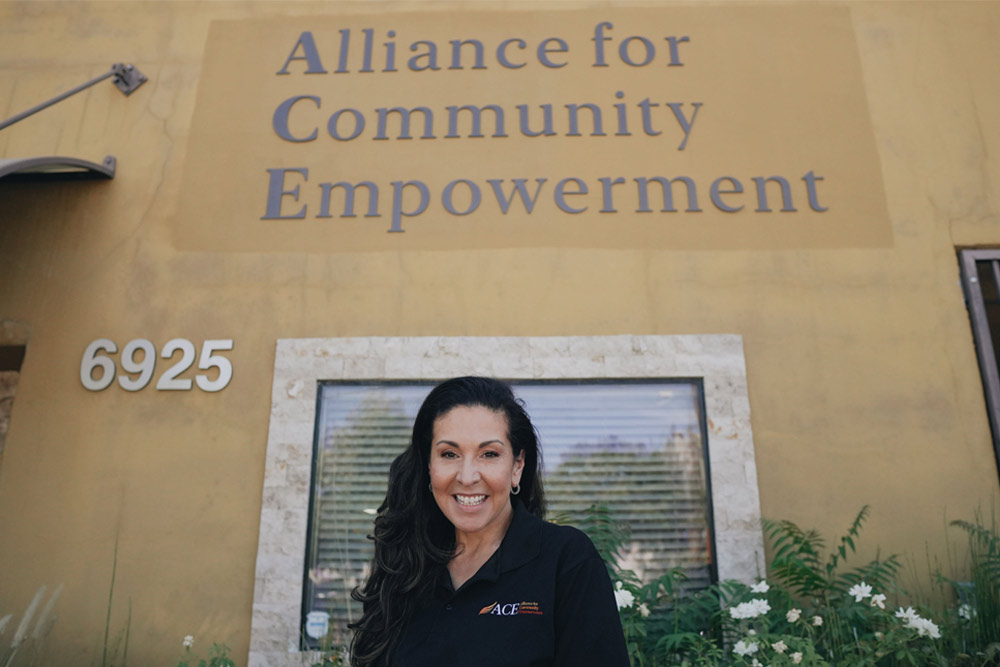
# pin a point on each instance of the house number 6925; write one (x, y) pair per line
(137, 367)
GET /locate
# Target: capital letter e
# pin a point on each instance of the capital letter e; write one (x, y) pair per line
(276, 190)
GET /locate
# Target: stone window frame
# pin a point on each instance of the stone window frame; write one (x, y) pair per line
(301, 364)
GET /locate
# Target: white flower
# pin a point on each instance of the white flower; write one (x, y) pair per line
(860, 591)
(878, 601)
(965, 611)
(752, 609)
(779, 646)
(751, 632)
(796, 658)
(644, 610)
(879, 636)
(817, 621)
(923, 626)
(756, 663)
(744, 648)
(792, 615)
(928, 628)
(623, 598)
(188, 641)
(760, 587)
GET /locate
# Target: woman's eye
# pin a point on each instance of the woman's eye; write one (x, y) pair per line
(491, 455)
(448, 454)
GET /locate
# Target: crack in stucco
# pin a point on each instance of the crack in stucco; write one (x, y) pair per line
(157, 178)
(167, 153)
(984, 148)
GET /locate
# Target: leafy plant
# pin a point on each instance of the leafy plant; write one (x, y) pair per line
(662, 617)
(812, 609)
(218, 656)
(798, 563)
(978, 616)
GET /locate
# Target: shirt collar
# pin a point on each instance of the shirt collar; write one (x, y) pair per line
(522, 542)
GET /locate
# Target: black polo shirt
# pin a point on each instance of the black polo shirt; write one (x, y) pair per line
(543, 599)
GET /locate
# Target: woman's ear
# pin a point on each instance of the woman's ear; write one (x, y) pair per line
(518, 468)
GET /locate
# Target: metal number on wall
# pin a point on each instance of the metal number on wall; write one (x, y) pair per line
(138, 372)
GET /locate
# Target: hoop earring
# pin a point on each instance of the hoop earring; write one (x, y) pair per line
(516, 490)
(430, 486)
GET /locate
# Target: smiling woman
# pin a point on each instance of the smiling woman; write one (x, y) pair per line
(465, 570)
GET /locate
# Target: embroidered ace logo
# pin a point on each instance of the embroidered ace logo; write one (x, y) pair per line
(511, 609)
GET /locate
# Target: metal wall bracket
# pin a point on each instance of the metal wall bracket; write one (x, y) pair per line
(127, 79)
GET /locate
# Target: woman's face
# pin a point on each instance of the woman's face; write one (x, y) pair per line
(473, 469)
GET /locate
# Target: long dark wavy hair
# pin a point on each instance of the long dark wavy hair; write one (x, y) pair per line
(413, 539)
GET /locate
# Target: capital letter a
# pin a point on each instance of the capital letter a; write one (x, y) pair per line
(309, 54)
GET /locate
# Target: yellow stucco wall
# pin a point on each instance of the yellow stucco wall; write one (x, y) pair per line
(862, 373)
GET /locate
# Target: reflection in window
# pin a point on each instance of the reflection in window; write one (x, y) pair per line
(637, 447)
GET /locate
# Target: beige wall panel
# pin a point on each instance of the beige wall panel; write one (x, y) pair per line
(862, 375)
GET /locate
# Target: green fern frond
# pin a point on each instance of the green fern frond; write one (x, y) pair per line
(796, 556)
(847, 540)
(607, 534)
(785, 535)
(982, 535)
(799, 576)
(669, 583)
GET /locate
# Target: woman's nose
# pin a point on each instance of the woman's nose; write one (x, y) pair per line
(469, 474)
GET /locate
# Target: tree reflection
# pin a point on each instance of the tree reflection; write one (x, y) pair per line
(349, 484)
(656, 492)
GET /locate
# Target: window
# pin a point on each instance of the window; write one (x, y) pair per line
(11, 357)
(981, 281)
(704, 375)
(636, 447)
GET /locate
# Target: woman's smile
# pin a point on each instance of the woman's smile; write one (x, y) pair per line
(470, 501)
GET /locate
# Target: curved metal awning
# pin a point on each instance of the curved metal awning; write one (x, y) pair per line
(55, 168)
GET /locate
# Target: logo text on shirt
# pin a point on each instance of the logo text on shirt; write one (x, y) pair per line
(511, 609)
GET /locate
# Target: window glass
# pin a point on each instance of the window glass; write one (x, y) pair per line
(637, 447)
(11, 357)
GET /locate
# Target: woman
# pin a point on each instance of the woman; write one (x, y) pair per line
(465, 572)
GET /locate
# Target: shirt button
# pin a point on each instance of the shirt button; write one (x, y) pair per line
(449, 607)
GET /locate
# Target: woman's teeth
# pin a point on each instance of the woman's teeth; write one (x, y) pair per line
(469, 501)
